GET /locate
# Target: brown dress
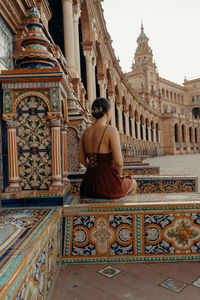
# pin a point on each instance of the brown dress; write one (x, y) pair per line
(101, 180)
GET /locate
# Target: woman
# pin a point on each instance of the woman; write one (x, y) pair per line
(100, 153)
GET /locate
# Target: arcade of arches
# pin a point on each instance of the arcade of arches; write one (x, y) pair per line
(153, 115)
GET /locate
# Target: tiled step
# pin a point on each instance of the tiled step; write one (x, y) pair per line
(152, 184)
(140, 170)
(140, 228)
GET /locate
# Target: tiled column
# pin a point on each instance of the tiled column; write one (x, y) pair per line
(76, 15)
(68, 33)
(56, 174)
(13, 170)
(64, 151)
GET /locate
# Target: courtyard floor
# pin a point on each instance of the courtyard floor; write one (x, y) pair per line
(136, 281)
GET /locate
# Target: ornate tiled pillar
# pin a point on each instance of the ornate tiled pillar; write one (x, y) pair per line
(56, 174)
(68, 33)
(13, 171)
(76, 16)
(64, 151)
(119, 110)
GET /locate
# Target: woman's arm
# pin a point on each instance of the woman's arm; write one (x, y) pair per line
(116, 150)
(83, 155)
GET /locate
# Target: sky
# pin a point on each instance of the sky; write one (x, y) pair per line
(173, 29)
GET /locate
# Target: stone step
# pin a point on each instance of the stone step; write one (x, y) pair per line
(151, 184)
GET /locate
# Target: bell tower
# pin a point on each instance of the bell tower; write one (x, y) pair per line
(143, 52)
(144, 76)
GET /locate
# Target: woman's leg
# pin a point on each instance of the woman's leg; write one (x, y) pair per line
(133, 188)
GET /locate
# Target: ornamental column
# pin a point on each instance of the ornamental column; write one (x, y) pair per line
(144, 131)
(154, 135)
(64, 151)
(133, 127)
(76, 15)
(102, 88)
(56, 174)
(149, 133)
(68, 33)
(94, 78)
(13, 170)
(120, 123)
(89, 74)
(138, 128)
(126, 114)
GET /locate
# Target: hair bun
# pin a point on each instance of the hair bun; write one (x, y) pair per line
(97, 112)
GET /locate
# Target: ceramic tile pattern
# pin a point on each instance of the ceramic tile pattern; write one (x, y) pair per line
(155, 184)
(173, 285)
(32, 243)
(151, 231)
(34, 143)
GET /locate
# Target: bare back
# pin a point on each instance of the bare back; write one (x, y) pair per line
(95, 136)
(109, 143)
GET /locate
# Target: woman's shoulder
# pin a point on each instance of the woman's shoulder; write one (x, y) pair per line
(112, 129)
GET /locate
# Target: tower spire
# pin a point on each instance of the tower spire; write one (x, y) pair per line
(142, 27)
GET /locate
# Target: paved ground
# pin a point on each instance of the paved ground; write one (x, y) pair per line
(137, 281)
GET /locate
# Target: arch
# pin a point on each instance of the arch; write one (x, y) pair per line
(85, 22)
(31, 93)
(110, 86)
(99, 61)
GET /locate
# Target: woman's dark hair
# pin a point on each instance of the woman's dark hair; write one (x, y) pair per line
(99, 107)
